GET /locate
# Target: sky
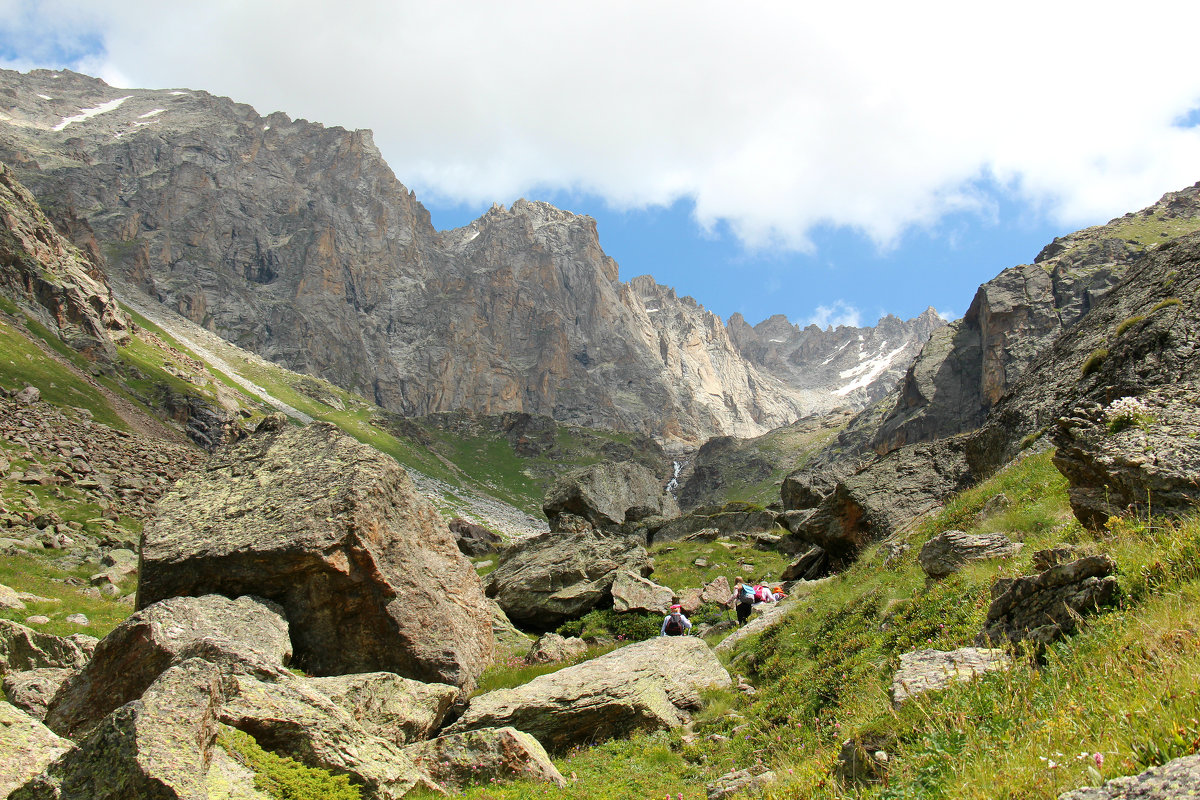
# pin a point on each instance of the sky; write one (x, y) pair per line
(829, 162)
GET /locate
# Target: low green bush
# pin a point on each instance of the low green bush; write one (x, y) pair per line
(284, 778)
(1093, 361)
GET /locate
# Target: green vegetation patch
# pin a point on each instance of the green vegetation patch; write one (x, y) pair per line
(63, 586)
(675, 567)
(281, 777)
(1093, 361)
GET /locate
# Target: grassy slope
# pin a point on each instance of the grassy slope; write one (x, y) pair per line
(1127, 687)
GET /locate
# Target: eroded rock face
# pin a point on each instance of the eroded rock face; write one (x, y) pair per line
(247, 634)
(388, 706)
(28, 747)
(547, 579)
(335, 532)
(607, 494)
(476, 757)
(930, 670)
(1046, 607)
(1137, 454)
(947, 552)
(155, 747)
(23, 648)
(645, 686)
(1171, 781)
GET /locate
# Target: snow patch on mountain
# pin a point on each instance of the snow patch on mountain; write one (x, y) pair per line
(88, 113)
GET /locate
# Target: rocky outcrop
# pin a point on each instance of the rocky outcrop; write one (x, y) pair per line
(810, 565)
(1175, 779)
(386, 705)
(551, 648)
(23, 648)
(632, 592)
(52, 279)
(739, 782)
(882, 498)
(1137, 454)
(767, 616)
(474, 540)
(805, 489)
(947, 552)
(290, 718)
(477, 757)
(335, 532)
(157, 746)
(606, 495)
(32, 690)
(728, 519)
(547, 579)
(247, 634)
(28, 746)
(645, 686)
(930, 670)
(1046, 607)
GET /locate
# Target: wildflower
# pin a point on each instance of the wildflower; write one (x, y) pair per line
(1098, 758)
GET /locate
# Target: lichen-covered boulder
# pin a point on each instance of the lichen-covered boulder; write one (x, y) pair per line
(1046, 607)
(605, 494)
(247, 634)
(947, 552)
(551, 648)
(813, 563)
(336, 533)
(547, 579)
(23, 648)
(155, 747)
(929, 670)
(389, 706)
(477, 757)
(33, 689)
(27, 745)
(473, 539)
(644, 686)
(1174, 780)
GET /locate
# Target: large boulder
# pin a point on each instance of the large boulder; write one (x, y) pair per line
(32, 690)
(606, 495)
(246, 634)
(768, 617)
(645, 686)
(930, 670)
(336, 533)
(389, 706)
(1044, 608)
(1174, 780)
(23, 648)
(291, 718)
(632, 592)
(947, 552)
(727, 520)
(1139, 454)
(474, 540)
(810, 565)
(805, 489)
(157, 746)
(551, 648)
(28, 747)
(547, 579)
(476, 757)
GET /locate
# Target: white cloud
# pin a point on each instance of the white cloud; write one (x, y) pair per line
(772, 117)
(838, 313)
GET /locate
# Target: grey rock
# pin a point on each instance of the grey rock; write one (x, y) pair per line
(30, 394)
(77, 619)
(551, 648)
(1052, 557)
(547, 579)
(947, 552)
(1175, 779)
(645, 686)
(1115, 464)
(604, 494)
(726, 523)
(805, 489)
(474, 540)
(477, 757)
(741, 781)
(23, 648)
(247, 634)
(767, 616)
(863, 760)
(9, 600)
(930, 670)
(336, 533)
(28, 746)
(810, 565)
(632, 592)
(32, 690)
(1044, 608)
(37, 619)
(386, 705)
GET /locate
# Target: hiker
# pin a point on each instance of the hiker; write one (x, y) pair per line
(743, 595)
(763, 594)
(675, 623)
(777, 593)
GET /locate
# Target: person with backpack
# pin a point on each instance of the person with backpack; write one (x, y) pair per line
(743, 596)
(675, 623)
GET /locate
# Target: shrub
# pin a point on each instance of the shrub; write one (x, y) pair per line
(282, 777)
(1093, 361)
(1170, 301)
(630, 626)
(1129, 323)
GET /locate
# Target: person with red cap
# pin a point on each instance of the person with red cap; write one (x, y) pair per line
(675, 623)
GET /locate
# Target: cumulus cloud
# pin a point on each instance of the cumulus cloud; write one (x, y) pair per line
(836, 314)
(772, 118)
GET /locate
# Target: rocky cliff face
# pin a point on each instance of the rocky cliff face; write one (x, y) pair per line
(969, 365)
(297, 241)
